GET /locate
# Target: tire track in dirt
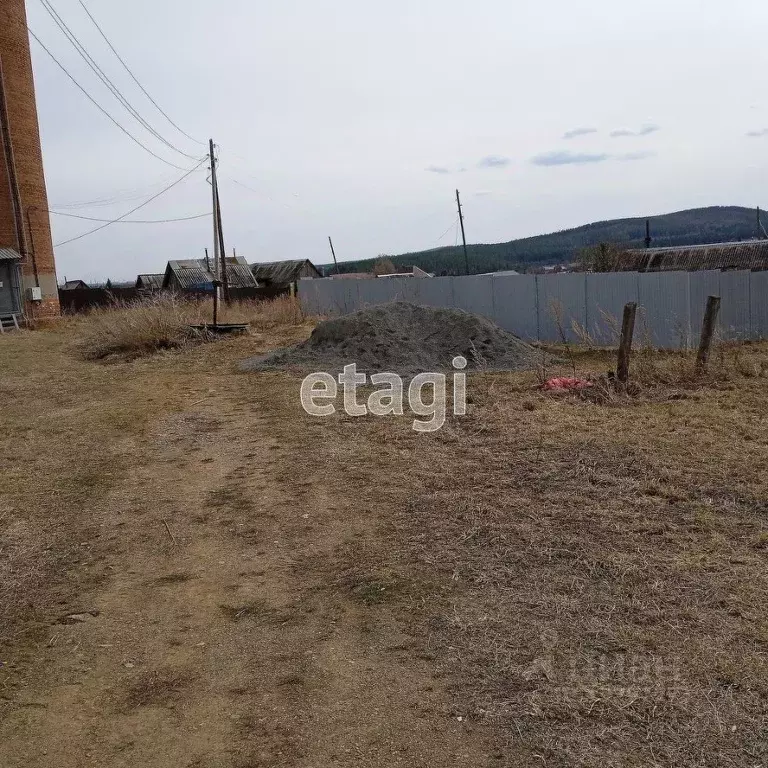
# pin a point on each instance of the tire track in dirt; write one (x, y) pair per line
(217, 647)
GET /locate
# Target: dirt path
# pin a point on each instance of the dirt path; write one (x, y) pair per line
(227, 639)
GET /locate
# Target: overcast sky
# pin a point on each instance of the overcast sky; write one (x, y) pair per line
(359, 119)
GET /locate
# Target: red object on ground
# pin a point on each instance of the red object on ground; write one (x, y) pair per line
(561, 383)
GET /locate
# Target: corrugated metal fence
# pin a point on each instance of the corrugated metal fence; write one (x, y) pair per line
(537, 307)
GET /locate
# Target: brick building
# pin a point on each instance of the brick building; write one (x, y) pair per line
(27, 270)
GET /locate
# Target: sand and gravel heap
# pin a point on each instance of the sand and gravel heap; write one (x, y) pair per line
(406, 339)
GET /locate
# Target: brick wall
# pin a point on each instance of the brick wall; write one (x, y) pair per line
(25, 136)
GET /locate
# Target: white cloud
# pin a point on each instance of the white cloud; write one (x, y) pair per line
(645, 130)
(576, 132)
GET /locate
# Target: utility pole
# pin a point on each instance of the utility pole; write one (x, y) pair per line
(647, 233)
(215, 198)
(333, 253)
(759, 237)
(224, 276)
(463, 237)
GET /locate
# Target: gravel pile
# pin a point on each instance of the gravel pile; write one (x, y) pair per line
(403, 338)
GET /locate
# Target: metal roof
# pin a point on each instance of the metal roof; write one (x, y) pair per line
(747, 254)
(154, 281)
(195, 274)
(240, 276)
(282, 271)
(9, 254)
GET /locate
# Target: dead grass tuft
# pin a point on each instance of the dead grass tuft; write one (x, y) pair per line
(163, 322)
(135, 329)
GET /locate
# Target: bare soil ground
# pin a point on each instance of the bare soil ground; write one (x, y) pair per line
(196, 573)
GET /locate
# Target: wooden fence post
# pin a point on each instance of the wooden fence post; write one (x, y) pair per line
(625, 343)
(707, 331)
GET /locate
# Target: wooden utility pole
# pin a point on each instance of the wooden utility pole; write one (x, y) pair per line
(759, 234)
(333, 253)
(463, 238)
(707, 331)
(625, 343)
(215, 197)
(224, 276)
(647, 233)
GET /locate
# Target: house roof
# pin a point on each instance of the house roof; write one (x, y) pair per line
(748, 254)
(282, 271)
(9, 254)
(71, 285)
(194, 274)
(150, 280)
(352, 276)
(415, 272)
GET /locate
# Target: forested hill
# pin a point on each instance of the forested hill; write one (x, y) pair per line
(698, 225)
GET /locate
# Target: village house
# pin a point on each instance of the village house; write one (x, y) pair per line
(197, 275)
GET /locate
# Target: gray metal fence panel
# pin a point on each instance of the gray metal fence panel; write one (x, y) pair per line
(665, 299)
(734, 305)
(514, 305)
(407, 288)
(351, 295)
(434, 291)
(309, 296)
(474, 294)
(334, 303)
(758, 304)
(387, 289)
(372, 292)
(561, 303)
(701, 285)
(607, 293)
(672, 303)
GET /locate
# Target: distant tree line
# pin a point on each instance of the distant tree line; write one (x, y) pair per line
(692, 227)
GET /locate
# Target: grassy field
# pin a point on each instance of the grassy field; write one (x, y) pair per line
(551, 580)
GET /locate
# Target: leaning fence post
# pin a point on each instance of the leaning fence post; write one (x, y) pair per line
(707, 331)
(625, 343)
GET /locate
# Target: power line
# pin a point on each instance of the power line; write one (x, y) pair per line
(453, 223)
(135, 79)
(132, 221)
(89, 60)
(104, 111)
(133, 210)
(126, 195)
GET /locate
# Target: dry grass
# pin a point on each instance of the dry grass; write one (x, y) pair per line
(589, 573)
(155, 688)
(73, 429)
(593, 578)
(163, 322)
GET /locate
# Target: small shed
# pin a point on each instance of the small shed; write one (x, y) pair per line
(150, 282)
(280, 273)
(197, 276)
(74, 285)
